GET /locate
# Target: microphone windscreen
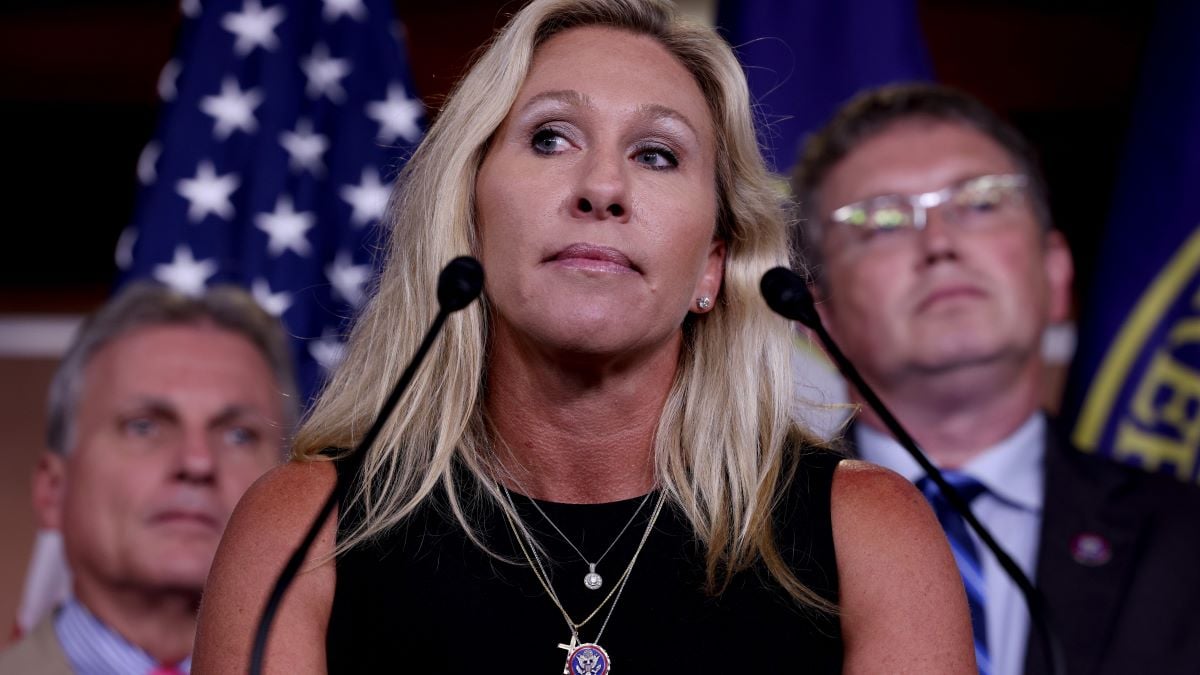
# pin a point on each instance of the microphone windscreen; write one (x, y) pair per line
(460, 282)
(787, 294)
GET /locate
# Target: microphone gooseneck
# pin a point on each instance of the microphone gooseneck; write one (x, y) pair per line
(460, 282)
(787, 294)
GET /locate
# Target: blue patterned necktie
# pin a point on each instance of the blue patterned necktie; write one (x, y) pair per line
(965, 552)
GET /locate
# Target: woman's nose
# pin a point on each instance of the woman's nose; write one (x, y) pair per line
(602, 190)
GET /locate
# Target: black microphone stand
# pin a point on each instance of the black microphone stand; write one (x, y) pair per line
(459, 284)
(788, 295)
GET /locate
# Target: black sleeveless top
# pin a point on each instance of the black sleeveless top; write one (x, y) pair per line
(425, 599)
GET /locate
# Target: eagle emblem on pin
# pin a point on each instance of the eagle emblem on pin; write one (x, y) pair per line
(588, 659)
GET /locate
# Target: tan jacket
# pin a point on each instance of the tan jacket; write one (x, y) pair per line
(38, 653)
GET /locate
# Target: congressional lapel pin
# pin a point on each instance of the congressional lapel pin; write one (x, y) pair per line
(1091, 549)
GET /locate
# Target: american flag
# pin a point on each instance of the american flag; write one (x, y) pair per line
(283, 123)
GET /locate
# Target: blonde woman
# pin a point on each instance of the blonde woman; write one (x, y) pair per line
(596, 465)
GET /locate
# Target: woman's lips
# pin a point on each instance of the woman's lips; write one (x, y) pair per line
(593, 258)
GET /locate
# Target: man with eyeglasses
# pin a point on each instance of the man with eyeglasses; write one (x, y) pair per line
(925, 226)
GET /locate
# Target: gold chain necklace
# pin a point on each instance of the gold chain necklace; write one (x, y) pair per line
(587, 658)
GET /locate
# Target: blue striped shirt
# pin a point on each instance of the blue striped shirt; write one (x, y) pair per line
(93, 648)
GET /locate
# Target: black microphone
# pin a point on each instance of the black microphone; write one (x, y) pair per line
(788, 295)
(459, 283)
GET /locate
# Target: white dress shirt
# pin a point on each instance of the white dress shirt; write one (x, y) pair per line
(1010, 508)
(93, 648)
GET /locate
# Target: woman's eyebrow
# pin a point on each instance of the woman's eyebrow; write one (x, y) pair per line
(656, 111)
(564, 96)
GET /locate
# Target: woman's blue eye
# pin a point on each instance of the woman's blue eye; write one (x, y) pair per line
(656, 158)
(548, 142)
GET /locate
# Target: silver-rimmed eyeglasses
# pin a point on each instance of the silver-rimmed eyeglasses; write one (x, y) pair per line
(971, 201)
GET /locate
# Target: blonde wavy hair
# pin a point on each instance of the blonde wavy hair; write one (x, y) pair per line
(726, 427)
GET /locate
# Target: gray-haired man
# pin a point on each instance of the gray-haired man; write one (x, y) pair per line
(163, 411)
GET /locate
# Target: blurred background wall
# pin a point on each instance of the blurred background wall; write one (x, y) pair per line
(78, 103)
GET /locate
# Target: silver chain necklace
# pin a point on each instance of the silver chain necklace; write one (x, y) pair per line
(587, 658)
(592, 579)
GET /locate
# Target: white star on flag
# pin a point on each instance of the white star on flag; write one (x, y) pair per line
(184, 273)
(265, 161)
(124, 253)
(397, 115)
(232, 109)
(190, 8)
(275, 303)
(167, 78)
(327, 351)
(368, 199)
(347, 278)
(147, 162)
(352, 8)
(208, 193)
(286, 228)
(325, 74)
(254, 27)
(305, 148)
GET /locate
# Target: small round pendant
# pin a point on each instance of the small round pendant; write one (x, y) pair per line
(588, 659)
(593, 581)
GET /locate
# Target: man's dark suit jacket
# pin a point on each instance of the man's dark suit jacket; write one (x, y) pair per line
(1139, 610)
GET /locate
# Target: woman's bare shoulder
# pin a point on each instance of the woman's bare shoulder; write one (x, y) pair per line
(903, 607)
(875, 509)
(278, 508)
(860, 487)
(265, 529)
(285, 491)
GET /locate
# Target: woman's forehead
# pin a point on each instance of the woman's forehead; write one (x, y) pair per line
(612, 67)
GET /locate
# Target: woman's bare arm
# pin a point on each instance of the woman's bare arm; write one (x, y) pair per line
(903, 606)
(263, 532)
